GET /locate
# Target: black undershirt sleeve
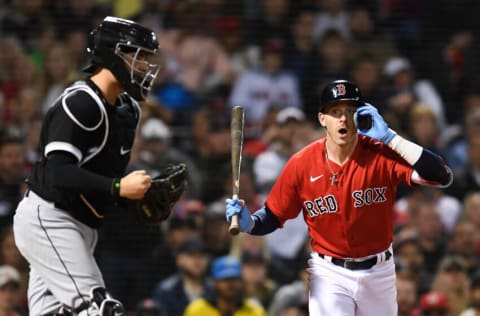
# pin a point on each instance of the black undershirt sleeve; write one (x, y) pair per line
(265, 222)
(432, 168)
(66, 174)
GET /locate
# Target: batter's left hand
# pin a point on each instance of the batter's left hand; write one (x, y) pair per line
(379, 129)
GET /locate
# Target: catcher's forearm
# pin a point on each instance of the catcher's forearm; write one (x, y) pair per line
(64, 172)
(265, 222)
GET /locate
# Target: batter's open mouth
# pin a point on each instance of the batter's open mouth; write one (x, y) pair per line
(343, 131)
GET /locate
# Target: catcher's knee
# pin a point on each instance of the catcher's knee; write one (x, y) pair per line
(106, 305)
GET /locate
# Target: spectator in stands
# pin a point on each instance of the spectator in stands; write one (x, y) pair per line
(12, 176)
(258, 286)
(471, 212)
(258, 89)
(9, 292)
(423, 127)
(202, 63)
(26, 108)
(270, 19)
(148, 307)
(157, 151)
(76, 45)
(434, 303)
(430, 233)
(215, 231)
(332, 15)
(466, 179)
(474, 302)
(332, 52)
(455, 140)
(231, 34)
(410, 261)
(448, 207)
(292, 296)
(462, 245)
(407, 294)
(174, 293)
(59, 73)
(365, 73)
(10, 255)
(405, 89)
(452, 280)
(301, 56)
(283, 244)
(367, 38)
(228, 295)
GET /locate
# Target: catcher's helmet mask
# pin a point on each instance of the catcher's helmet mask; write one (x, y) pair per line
(340, 90)
(125, 48)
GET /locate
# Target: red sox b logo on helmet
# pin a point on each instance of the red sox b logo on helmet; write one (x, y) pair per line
(341, 90)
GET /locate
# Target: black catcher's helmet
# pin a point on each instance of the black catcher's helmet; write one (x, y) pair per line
(125, 47)
(339, 90)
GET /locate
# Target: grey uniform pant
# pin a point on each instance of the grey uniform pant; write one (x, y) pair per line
(59, 250)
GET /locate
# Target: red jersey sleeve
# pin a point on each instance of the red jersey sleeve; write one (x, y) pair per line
(283, 199)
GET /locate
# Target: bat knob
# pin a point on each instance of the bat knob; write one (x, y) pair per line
(234, 228)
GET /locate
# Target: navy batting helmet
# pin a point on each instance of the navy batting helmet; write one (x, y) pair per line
(121, 46)
(339, 90)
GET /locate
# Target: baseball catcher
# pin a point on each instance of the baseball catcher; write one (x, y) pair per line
(165, 190)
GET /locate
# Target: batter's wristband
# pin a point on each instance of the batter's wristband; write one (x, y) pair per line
(115, 188)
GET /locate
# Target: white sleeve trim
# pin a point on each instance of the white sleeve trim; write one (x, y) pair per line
(62, 146)
(409, 151)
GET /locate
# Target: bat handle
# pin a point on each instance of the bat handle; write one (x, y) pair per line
(234, 228)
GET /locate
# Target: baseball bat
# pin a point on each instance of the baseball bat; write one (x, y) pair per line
(236, 135)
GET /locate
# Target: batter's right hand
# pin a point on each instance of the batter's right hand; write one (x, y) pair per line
(239, 207)
(134, 185)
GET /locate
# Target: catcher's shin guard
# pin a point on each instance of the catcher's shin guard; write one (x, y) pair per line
(106, 305)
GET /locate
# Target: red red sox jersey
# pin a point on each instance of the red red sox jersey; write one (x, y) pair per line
(351, 216)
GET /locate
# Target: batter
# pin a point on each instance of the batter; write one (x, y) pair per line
(345, 185)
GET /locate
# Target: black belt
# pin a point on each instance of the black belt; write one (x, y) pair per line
(57, 205)
(351, 264)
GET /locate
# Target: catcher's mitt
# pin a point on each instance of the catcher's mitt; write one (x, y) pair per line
(165, 191)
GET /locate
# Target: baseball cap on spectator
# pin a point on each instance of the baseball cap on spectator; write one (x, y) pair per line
(192, 245)
(434, 300)
(180, 219)
(252, 257)
(394, 65)
(226, 267)
(155, 128)
(9, 274)
(188, 207)
(290, 113)
(451, 264)
(273, 45)
(148, 307)
(403, 241)
(228, 24)
(473, 118)
(215, 210)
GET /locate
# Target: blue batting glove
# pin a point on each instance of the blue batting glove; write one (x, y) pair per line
(245, 220)
(379, 129)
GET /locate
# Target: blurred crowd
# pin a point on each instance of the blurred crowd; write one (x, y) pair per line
(415, 60)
